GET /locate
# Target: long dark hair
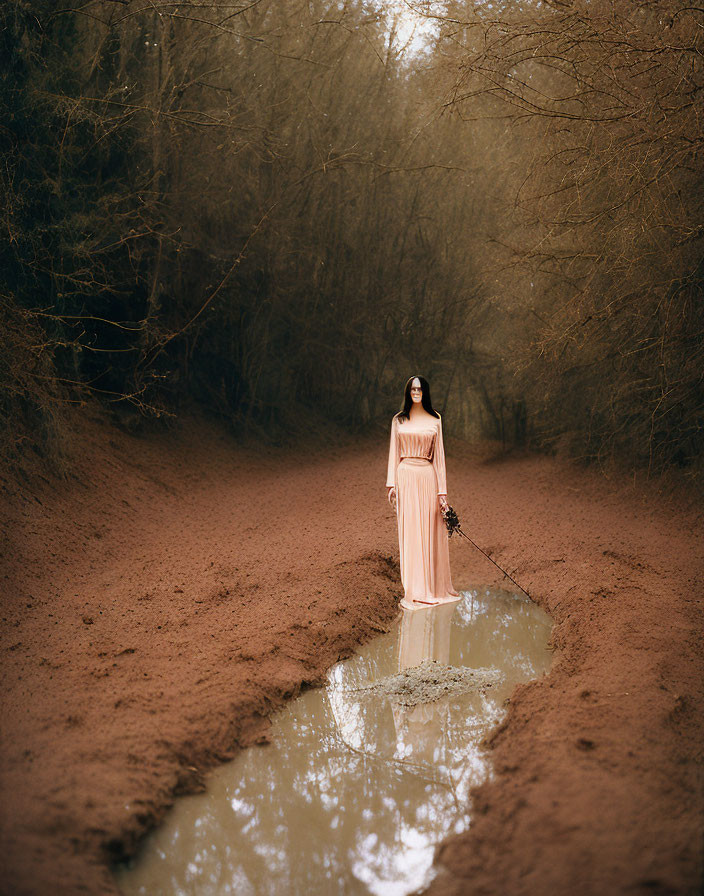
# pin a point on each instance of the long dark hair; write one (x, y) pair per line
(404, 413)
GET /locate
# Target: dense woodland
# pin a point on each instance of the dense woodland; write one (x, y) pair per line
(269, 208)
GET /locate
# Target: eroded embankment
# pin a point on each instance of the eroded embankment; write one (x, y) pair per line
(161, 604)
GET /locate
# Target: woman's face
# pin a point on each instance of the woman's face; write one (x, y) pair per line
(416, 391)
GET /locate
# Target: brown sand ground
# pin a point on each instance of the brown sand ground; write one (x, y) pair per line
(162, 602)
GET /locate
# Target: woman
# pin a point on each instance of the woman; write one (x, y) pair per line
(416, 486)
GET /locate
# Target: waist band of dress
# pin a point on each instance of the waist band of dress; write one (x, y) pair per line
(416, 457)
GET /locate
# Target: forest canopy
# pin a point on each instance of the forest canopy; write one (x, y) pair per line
(260, 206)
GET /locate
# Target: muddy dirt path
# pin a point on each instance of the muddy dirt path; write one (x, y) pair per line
(161, 603)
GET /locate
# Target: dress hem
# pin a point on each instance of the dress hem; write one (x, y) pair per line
(413, 604)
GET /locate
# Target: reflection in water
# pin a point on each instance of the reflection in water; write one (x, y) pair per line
(354, 791)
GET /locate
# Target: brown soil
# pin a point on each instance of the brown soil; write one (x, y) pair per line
(163, 601)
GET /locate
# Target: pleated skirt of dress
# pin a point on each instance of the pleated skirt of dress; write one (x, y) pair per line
(422, 535)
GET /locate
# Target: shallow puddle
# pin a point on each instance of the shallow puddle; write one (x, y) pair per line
(360, 782)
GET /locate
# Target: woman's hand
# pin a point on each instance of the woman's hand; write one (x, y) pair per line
(442, 500)
(391, 495)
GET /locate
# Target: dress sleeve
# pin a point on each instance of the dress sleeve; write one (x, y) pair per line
(394, 453)
(439, 461)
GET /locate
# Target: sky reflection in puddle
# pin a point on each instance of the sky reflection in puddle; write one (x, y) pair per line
(354, 791)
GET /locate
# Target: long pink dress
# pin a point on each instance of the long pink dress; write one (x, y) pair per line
(417, 470)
